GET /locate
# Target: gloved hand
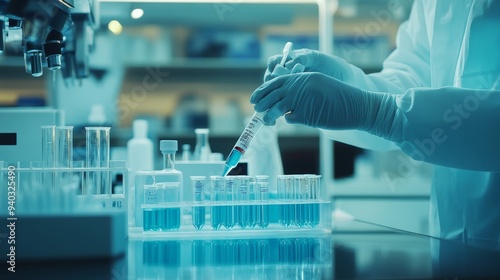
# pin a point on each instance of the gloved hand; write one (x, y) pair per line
(313, 61)
(317, 100)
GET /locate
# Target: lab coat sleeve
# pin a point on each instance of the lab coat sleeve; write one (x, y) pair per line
(407, 67)
(453, 127)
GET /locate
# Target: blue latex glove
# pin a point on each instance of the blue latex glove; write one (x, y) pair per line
(317, 100)
(313, 61)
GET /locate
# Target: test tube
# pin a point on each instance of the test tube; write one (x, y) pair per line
(97, 156)
(314, 206)
(170, 212)
(253, 196)
(150, 209)
(48, 155)
(229, 185)
(302, 192)
(64, 150)
(48, 145)
(243, 210)
(262, 187)
(286, 210)
(217, 195)
(142, 178)
(64, 157)
(198, 215)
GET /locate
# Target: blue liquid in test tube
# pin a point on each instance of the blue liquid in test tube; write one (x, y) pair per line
(150, 208)
(170, 218)
(253, 196)
(149, 219)
(243, 210)
(198, 215)
(230, 220)
(171, 213)
(217, 196)
(286, 208)
(262, 188)
(301, 185)
(314, 207)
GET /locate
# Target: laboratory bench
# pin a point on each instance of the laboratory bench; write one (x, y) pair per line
(376, 252)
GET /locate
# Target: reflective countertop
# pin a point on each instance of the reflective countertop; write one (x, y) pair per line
(375, 253)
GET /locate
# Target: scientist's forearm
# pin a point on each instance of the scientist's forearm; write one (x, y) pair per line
(453, 127)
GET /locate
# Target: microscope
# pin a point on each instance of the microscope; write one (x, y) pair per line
(57, 34)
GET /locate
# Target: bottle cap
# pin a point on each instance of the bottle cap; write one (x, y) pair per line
(140, 128)
(168, 146)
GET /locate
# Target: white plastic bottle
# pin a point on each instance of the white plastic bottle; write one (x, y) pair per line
(139, 158)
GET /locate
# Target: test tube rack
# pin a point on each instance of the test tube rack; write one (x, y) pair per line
(53, 210)
(35, 190)
(250, 216)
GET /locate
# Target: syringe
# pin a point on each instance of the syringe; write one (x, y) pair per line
(252, 128)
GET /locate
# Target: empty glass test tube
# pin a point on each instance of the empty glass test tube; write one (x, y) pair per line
(64, 149)
(48, 154)
(97, 156)
(198, 215)
(217, 196)
(64, 157)
(48, 145)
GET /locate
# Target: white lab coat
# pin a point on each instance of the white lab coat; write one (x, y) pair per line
(446, 73)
